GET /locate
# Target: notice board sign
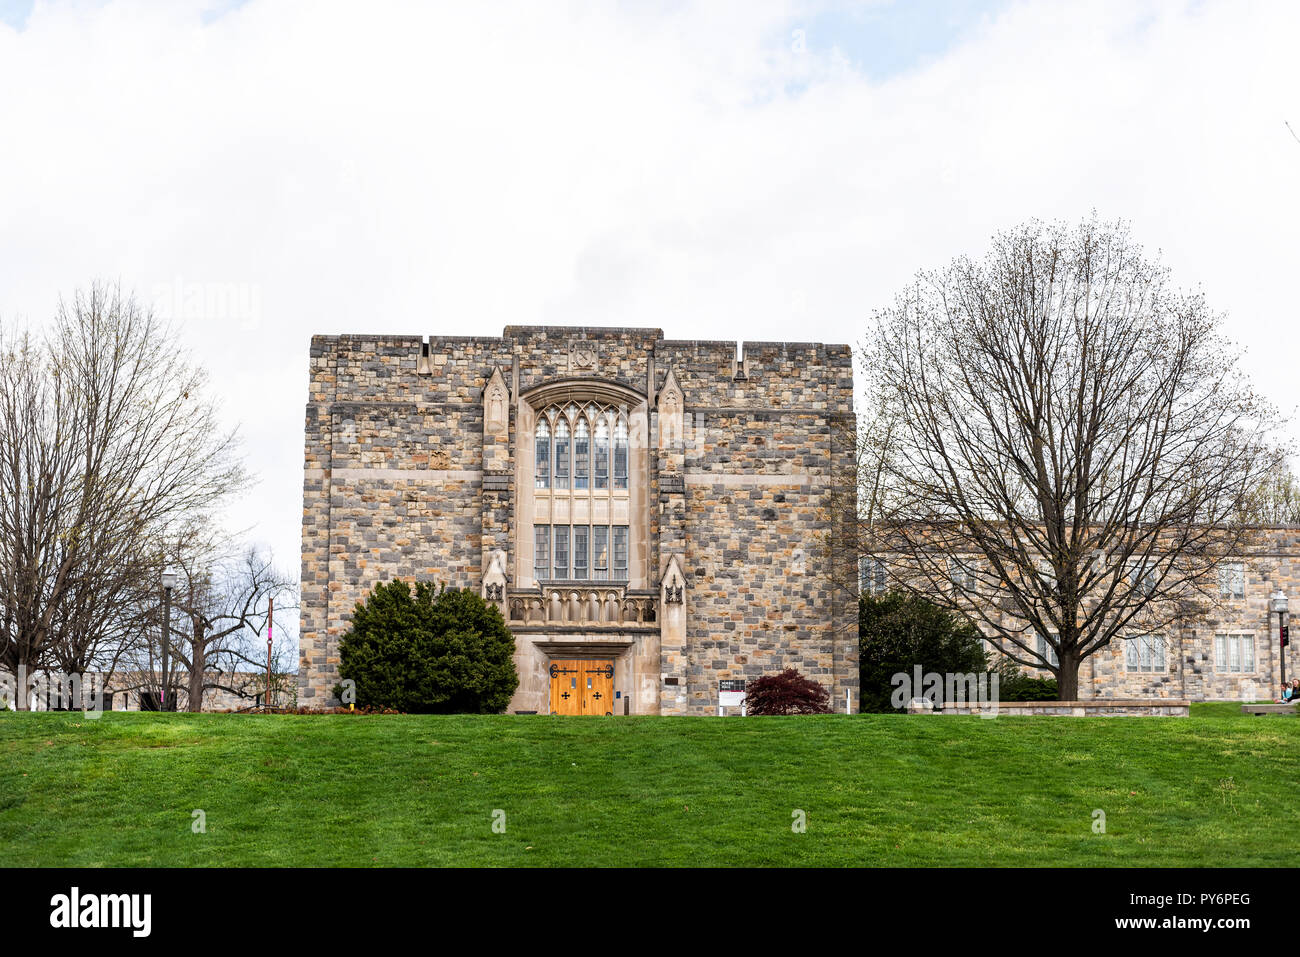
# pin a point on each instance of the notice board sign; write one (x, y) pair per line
(731, 692)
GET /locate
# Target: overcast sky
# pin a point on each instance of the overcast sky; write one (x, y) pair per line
(750, 170)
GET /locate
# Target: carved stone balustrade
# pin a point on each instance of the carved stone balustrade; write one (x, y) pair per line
(584, 605)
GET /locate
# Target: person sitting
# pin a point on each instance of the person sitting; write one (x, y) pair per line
(1291, 693)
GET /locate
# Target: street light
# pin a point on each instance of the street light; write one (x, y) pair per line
(1278, 604)
(168, 583)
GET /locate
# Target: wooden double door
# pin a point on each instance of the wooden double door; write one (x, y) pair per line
(582, 686)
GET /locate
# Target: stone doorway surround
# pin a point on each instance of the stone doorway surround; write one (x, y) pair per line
(544, 651)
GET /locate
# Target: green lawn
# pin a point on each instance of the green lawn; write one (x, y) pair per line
(876, 790)
(1221, 709)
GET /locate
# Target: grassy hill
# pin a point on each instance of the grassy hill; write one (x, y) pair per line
(875, 790)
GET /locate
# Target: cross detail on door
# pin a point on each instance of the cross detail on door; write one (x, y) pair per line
(565, 695)
(596, 694)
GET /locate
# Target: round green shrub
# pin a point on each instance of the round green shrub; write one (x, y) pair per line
(431, 651)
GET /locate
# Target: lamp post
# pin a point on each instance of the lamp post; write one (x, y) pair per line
(168, 583)
(1278, 604)
(270, 620)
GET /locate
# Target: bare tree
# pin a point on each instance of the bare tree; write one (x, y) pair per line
(225, 606)
(39, 432)
(1072, 445)
(110, 448)
(1277, 499)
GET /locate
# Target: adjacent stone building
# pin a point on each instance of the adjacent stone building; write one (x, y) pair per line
(1226, 648)
(649, 514)
(1229, 651)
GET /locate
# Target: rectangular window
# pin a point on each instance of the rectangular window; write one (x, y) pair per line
(1142, 579)
(1154, 657)
(1146, 653)
(581, 539)
(1234, 653)
(541, 552)
(961, 572)
(620, 553)
(1132, 655)
(1232, 580)
(1045, 650)
(871, 575)
(561, 551)
(600, 552)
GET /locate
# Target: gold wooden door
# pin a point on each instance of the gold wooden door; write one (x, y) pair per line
(598, 686)
(566, 695)
(582, 686)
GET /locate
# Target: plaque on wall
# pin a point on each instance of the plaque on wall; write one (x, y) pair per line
(582, 355)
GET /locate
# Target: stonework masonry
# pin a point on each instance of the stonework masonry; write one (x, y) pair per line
(440, 459)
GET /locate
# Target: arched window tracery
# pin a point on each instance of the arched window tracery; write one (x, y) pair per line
(581, 457)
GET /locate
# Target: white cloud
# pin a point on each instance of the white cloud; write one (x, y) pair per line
(392, 167)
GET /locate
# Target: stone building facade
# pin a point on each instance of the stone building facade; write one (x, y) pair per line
(1229, 651)
(1228, 648)
(648, 514)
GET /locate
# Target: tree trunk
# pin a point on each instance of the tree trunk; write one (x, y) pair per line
(1067, 678)
(23, 688)
(197, 665)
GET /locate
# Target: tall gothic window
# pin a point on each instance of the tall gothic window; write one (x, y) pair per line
(581, 506)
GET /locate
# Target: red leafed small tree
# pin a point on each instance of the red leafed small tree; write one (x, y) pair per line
(787, 693)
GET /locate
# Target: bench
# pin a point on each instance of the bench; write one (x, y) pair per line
(1268, 709)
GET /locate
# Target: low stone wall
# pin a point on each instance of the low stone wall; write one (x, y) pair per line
(1166, 707)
